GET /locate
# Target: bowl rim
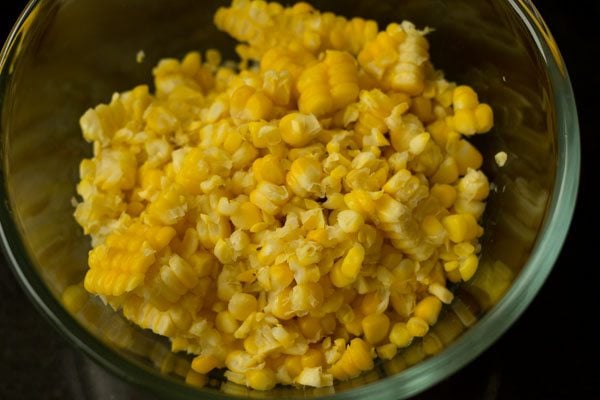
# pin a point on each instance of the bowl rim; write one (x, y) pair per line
(425, 374)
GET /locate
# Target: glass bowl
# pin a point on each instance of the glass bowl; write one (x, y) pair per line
(63, 57)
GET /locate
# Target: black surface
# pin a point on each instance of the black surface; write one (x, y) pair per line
(550, 353)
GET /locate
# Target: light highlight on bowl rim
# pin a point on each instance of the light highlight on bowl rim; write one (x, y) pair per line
(417, 378)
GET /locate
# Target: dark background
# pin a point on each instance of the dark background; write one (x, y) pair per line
(550, 353)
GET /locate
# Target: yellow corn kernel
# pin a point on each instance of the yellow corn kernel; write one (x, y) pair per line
(464, 97)
(329, 85)
(446, 194)
(399, 335)
(304, 176)
(269, 197)
(428, 309)
(246, 216)
(350, 221)
(353, 261)
(447, 172)
(375, 327)
(466, 156)
(241, 305)
(360, 354)
(298, 130)
(261, 379)
(387, 351)
(293, 365)
(468, 267)
(312, 358)
(417, 327)
(269, 168)
(204, 364)
(441, 292)
(461, 227)
(225, 322)
(264, 217)
(306, 296)
(474, 186)
(310, 327)
(431, 226)
(281, 276)
(248, 104)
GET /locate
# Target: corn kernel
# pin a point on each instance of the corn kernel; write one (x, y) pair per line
(417, 327)
(375, 327)
(400, 336)
(261, 379)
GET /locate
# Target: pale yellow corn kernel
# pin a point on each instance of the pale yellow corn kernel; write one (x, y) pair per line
(224, 251)
(441, 292)
(261, 379)
(446, 194)
(400, 336)
(418, 144)
(205, 364)
(387, 351)
(281, 306)
(298, 129)
(241, 305)
(246, 216)
(461, 227)
(428, 309)
(269, 197)
(375, 327)
(501, 158)
(474, 186)
(417, 327)
(304, 176)
(306, 296)
(361, 201)
(468, 267)
(350, 221)
(463, 249)
(225, 322)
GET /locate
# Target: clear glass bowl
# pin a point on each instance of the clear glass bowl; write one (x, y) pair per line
(65, 56)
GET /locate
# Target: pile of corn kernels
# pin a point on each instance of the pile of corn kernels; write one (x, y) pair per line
(293, 216)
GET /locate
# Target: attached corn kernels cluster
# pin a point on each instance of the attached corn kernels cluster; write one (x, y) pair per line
(293, 220)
